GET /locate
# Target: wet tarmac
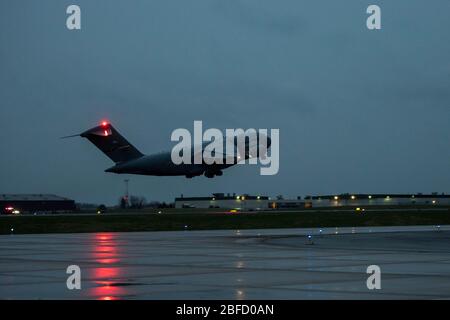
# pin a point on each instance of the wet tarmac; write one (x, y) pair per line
(233, 264)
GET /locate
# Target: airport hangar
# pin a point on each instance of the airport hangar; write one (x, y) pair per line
(35, 203)
(252, 202)
(351, 200)
(233, 201)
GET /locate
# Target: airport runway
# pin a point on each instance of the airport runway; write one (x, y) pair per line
(247, 264)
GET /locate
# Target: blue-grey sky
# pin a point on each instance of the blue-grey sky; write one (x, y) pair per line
(358, 110)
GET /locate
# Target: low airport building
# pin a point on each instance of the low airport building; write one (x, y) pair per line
(31, 203)
(243, 202)
(224, 201)
(249, 203)
(287, 204)
(361, 200)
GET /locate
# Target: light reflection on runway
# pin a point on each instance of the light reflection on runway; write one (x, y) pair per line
(229, 264)
(105, 251)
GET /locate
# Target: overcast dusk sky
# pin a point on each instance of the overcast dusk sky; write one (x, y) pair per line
(358, 110)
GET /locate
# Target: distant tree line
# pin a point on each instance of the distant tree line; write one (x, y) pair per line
(139, 202)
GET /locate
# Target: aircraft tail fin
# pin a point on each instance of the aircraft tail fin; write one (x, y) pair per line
(112, 143)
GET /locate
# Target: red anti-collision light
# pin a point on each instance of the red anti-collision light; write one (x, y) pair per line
(104, 123)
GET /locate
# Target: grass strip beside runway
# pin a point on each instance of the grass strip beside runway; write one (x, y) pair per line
(210, 221)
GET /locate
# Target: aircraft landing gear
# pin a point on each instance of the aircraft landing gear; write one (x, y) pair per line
(211, 174)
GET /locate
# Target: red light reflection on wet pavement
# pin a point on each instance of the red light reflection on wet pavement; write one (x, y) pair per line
(105, 251)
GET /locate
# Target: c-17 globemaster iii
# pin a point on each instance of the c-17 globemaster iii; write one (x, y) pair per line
(129, 160)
